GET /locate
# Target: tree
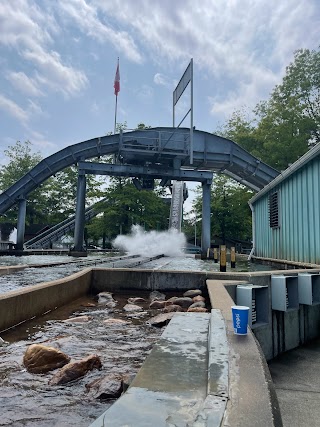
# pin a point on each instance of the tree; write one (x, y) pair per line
(21, 160)
(230, 212)
(54, 200)
(284, 126)
(127, 206)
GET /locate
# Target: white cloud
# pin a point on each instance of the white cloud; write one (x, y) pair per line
(234, 42)
(162, 80)
(30, 31)
(13, 109)
(85, 16)
(24, 84)
(55, 74)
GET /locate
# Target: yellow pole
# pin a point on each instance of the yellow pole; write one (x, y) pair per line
(223, 258)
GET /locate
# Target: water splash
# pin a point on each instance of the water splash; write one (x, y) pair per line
(140, 242)
(13, 236)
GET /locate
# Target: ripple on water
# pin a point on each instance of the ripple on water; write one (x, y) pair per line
(27, 399)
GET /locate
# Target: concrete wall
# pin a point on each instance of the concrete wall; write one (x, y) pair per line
(104, 279)
(19, 306)
(284, 330)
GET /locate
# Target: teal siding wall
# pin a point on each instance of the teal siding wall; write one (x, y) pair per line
(298, 236)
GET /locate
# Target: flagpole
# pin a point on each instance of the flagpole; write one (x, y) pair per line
(115, 115)
(116, 91)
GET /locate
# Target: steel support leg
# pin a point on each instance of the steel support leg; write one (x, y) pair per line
(206, 214)
(80, 214)
(21, 225)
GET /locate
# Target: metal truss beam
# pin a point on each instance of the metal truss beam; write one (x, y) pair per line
(142, 171)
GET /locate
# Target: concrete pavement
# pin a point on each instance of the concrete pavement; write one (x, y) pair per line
(296, 377)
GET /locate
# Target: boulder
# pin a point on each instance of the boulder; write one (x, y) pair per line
(78, 319)
(184, 302)
(172, 308)
(161, 319)
(171, 300)
(157, 304)
(88, 304)
(156, 295)
(136, 300)
(129, 308)
(106, 298)
(2, 342)
(192, 293)
(75, 370)
(197, 310)
(39, 359)
(108, 387)
(198, 304)
(198, 298)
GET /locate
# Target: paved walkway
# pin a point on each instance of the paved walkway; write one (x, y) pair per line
(296, 376)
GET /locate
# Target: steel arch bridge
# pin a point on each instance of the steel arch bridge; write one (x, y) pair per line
(161, 152)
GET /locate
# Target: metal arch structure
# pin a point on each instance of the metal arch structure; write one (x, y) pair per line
(164, 150)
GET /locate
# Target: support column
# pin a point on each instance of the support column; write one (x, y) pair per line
(21, 225)
(206, 211)
(78, 249)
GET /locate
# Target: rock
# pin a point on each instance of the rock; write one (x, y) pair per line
(171, 300)
(136, 300)
(161, 319)
(156, 295)
(3, 342)
(107, 299)
(172, 308)
(109, 387)
(78, 319)
(192, 293)
(127, 380)
(184, 302)
(132, 307)
(198, 304)
(198, 298)
(39, 359)
(75, 370)
(88, 304)
(197, 310)
(116, 322)
(157, 304)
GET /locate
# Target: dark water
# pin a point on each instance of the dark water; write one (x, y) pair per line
(27, 399)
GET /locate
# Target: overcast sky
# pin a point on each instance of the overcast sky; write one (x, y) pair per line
(58, 61)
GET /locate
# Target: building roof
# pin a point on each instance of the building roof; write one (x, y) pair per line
(306, 158)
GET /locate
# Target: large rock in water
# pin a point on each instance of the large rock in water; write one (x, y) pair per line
(39, 359)
(75, 370)
(192, 293)
(161, 320)
(184, 302)
(108, 387)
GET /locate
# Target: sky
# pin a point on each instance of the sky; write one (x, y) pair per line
(58, 61)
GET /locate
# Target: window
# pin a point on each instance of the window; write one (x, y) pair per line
(274, 210)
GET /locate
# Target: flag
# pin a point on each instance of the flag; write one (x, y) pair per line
(116, 84)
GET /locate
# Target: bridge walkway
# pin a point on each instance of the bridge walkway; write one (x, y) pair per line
(296, 377)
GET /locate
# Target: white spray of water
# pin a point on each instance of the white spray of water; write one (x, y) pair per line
(140, 242)
(13, 236)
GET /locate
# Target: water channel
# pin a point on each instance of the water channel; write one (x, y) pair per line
(27, 399)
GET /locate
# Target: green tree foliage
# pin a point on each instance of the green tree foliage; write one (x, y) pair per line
(284, 126)
(230, 212)
(20, 160)
(126, 206)
(54, 200)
